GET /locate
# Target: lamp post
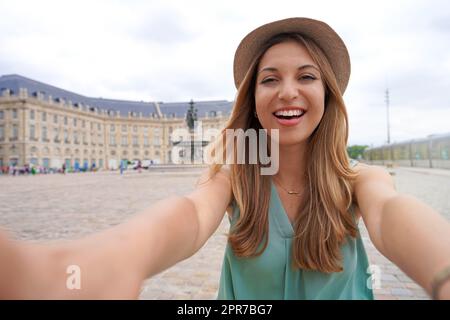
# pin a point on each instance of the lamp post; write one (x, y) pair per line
(191, 118)
(391, 156)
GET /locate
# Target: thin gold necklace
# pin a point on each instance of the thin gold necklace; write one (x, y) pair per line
(291, 192)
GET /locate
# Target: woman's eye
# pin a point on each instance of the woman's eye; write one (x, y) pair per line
(308, 77)
(267, 80)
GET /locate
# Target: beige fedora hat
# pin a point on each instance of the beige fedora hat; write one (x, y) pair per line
(321, 33)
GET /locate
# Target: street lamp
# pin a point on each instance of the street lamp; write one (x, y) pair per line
(391, 155)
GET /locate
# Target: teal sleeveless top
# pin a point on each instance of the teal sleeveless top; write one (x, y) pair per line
(271, 275)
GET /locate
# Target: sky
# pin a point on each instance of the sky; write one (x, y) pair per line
(173, 51)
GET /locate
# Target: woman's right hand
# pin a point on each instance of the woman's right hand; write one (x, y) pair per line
(112, 264)
(64, 270)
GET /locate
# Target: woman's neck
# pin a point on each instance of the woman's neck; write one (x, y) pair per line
(292, 165)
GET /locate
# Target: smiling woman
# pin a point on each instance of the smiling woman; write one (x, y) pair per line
(293, 235)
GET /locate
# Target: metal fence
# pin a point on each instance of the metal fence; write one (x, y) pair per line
(430, 152)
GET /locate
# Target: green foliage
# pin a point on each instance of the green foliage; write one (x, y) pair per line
(356, 151)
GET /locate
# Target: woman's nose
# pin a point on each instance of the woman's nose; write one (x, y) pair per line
(288, 90)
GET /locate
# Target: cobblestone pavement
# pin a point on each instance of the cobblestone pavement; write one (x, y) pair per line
(48, 207)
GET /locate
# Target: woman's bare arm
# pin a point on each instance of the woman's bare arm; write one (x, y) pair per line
(405, 230)
(113, 263)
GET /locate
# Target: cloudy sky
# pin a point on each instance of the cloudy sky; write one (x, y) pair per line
(177, 50)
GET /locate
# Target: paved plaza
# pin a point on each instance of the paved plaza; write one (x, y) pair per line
(48, 207)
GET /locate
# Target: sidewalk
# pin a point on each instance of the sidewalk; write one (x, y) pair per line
(441, 172)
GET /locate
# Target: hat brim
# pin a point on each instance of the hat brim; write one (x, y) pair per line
(319, 32)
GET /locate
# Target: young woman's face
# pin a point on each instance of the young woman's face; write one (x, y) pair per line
(289, 92)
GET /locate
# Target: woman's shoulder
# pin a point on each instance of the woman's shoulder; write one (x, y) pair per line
(366, 172)
(370, 177)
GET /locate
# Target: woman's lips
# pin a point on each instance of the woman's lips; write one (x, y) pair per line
(289, 122)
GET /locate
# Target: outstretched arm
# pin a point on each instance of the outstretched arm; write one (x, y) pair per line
(113, 263)
(405, 230)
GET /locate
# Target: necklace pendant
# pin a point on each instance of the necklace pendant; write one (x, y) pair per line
(293, 192)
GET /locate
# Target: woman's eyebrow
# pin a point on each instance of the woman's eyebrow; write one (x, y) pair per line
(306, 66)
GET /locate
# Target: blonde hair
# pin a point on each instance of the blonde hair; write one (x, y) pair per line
(324, 219)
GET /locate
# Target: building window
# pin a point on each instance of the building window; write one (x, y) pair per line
(14, 113)
(135, 129)
(124, 140)
(2, 133)
(13, 162)
(31, 114)
(146, 130)
(83, 124)
(112, 128)
(124, 128)
(44, 116)
(74, 122)
(55, 118)
(112, 140)
(15, 132)
(75, 137)
(65, 120)
(99, 126)
(146, 141)
(32, 132)
(46, 163)
(156, 137)
(56, 135)
(44, 133)
(135, 140)
(84, 138)
(2, 115)
(66, 136)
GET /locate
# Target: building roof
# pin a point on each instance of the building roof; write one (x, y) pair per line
(15, 82)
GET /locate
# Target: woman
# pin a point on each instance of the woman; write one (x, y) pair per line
(293, 235)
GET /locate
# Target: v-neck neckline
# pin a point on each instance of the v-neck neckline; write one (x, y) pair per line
(283, 219)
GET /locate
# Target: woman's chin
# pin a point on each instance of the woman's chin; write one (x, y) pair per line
(292, 140)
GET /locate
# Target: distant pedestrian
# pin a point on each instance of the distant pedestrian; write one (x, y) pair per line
(63, 170)
(121, 167)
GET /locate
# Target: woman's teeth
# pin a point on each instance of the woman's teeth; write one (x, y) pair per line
(287, 114)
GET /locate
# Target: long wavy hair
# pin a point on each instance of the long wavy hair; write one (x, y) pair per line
(324, 220)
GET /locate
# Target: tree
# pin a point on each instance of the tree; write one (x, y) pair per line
(356, 151)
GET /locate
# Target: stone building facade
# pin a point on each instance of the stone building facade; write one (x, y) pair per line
(46, 126)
